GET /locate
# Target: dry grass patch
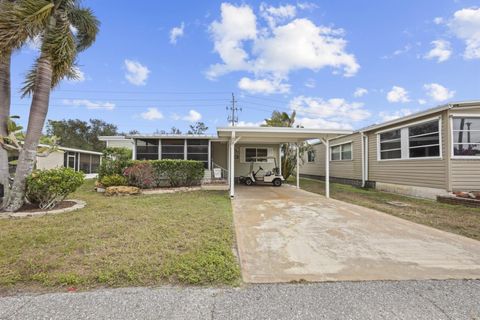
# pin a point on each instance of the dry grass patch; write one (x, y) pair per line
(181, 238)
(456, 219)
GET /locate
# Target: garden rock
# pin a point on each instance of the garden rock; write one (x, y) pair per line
(122, 191)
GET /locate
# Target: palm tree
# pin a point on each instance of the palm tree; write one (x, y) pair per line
(65, 29)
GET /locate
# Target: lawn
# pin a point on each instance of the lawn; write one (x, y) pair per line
(456, 219)
(181, 238)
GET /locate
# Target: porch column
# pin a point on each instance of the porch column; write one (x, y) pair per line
(231, 169)
(327, 168)
(298, 166)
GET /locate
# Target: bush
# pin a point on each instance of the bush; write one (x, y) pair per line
(180, 172)
(113, 180)
(114, 161)
(47, 188)
(149, 174)
(141, 174)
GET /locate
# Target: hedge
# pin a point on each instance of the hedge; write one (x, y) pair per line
(178, 173)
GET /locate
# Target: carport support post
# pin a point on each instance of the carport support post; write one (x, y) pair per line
(327, 169)
(298, 165)
(232, 165)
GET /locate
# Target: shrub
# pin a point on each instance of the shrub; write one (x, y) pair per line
(47, 188)
(180, 172)
(141, 174)
(113, 180)
(114, 161)
(149, 174)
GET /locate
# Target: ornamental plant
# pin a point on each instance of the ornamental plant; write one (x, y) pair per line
(47, 188)
(141, 174)
(113, 180)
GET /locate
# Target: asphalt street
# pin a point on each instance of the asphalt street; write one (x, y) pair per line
(448, 299)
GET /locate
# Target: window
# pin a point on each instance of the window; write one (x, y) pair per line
(311, 156)
(341, 152)
(418, 140)
(466, 136)
(89, 163)
(424, 140)
(390, 145)
(197, 149)
(147, 149)
(256, 154)
(173, 149)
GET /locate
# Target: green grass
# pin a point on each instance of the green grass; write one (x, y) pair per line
(181, 238)
(456, 219)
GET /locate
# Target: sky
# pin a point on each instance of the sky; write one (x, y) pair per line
(339, 64)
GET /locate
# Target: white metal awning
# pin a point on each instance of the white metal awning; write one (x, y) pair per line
(278, 135)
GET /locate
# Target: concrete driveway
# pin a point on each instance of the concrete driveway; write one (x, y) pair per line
(285, 234)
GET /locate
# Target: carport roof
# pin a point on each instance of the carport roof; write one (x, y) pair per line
(278, 134)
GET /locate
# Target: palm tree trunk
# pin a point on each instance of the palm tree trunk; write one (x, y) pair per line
(36, 120)
(5, 59)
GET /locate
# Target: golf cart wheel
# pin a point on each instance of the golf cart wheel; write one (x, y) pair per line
(277, 182)
(248, 182)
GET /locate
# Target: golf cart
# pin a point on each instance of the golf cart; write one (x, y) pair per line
(257, 177)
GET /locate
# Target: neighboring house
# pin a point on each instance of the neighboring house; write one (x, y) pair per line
(233, 149)
(117, 142)
(80, 160)
(425, 154)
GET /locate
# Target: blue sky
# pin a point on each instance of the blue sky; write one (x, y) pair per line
(340, 64)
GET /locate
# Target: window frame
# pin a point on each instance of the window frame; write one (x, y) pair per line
(256, 154)
(341, 151)
(405, 141)
(452, 143)
(314, 156)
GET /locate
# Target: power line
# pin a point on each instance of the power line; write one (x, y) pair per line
(140, 92)
(233, 117)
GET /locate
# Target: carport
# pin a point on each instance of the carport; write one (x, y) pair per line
(276, 136)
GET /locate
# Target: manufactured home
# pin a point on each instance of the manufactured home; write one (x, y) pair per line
(426, 154)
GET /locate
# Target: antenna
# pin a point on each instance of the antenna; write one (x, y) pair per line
(233, 117)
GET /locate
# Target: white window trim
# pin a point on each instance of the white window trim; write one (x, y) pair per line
(314, 156)
(244, 159)
(404, 141)
(341, 148)
(452, 154)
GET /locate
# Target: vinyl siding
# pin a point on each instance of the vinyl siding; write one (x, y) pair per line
(120, 144)
(243, 168)
(316, 168)
(464, 173)
(53, 160)
(422, 172)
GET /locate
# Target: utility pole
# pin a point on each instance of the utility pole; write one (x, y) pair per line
(233, 117)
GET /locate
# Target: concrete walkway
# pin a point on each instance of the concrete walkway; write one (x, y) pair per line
(285, 234)
(426, 300)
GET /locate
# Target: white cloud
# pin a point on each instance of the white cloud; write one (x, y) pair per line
(385, 116)
(422, 101)
(441, 51)
(192, 116)
(438, 92)
(272, 52)
(332, 113)
(152, 114)
(360, 92)
(465, 24)
(137, 74)
(80, 76)
(307, 5)
(250, 124)
(89, 104)
(438, 20)
(310, 83)
(274, 15)
(398, 94)
(176, 33)
(264, 86)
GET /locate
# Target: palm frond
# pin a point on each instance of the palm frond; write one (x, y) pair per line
(87, 26)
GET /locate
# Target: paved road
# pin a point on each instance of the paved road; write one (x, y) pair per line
(448, 299)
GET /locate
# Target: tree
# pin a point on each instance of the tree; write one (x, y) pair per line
(65, 29)
(175, 130)
(79, 134)
(198, 128)
(289, 156)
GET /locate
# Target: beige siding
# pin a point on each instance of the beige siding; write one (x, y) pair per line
(53, 160)
(316, 168)
(422, 173)
(464, 173)
(120, 144)
(349, 169)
